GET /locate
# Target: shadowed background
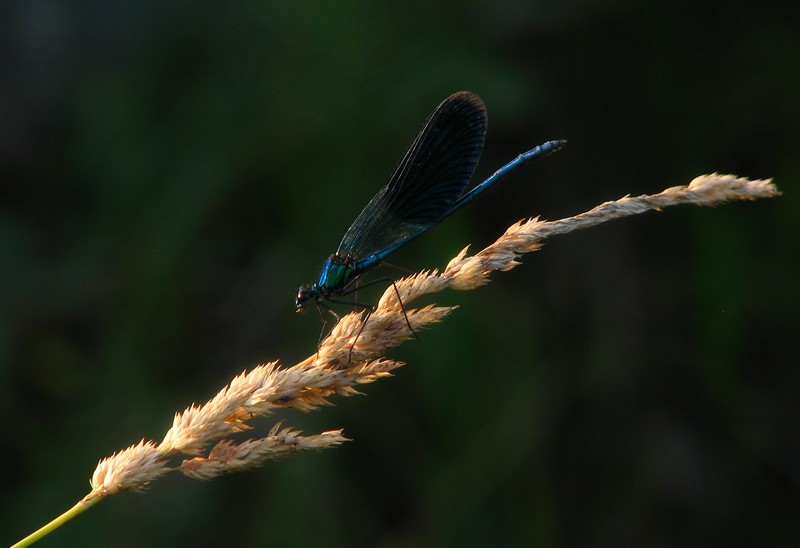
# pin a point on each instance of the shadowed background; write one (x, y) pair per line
(170, 174)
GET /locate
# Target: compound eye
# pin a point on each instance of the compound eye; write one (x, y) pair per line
(304, 294)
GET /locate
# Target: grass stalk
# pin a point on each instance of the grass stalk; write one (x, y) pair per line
(351, 355)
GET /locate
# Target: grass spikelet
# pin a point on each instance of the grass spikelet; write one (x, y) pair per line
(228, 457)
(130, 469)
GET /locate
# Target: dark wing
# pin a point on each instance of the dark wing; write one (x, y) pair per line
(426, 183)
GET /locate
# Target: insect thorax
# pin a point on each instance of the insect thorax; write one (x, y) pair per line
(338, 273)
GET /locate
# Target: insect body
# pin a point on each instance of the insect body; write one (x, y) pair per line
(427, 186)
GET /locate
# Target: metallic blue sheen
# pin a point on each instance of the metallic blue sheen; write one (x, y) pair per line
(426, 187)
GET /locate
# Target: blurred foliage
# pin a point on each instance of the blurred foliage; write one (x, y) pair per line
(171, 172)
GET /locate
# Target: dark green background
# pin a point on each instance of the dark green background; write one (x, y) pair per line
(171, 173)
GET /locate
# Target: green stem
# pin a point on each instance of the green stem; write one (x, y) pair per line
(87, 502)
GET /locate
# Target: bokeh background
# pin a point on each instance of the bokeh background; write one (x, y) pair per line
(171, 172)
